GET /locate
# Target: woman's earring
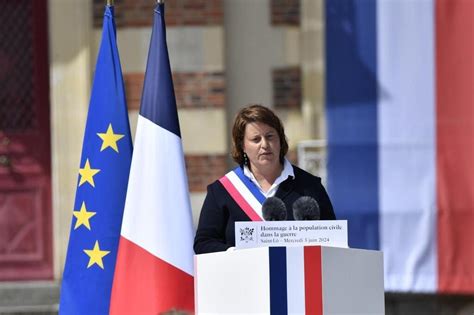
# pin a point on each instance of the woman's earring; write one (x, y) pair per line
(246, 159)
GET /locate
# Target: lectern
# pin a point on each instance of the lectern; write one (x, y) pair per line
(290, 280)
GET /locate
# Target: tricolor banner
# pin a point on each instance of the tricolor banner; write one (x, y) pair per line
(154, 271)
(400, 115)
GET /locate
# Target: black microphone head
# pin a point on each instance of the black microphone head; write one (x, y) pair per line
(306, 208)
(274, 209)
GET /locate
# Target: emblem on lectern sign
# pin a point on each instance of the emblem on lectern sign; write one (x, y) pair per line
(247, 235)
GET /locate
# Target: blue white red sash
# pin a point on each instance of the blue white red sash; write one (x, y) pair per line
(244, 192)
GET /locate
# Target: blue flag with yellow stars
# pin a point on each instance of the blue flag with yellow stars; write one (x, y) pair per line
(101, 187)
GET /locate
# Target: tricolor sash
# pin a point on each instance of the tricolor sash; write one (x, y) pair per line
(244, 192)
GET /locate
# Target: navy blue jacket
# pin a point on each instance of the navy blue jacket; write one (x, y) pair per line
(219, 212)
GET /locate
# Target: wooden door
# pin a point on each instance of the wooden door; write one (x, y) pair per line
(25, 157)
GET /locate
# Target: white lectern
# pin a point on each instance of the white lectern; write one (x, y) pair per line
(290, 280)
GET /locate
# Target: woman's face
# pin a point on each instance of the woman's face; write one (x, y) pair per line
(262, 145)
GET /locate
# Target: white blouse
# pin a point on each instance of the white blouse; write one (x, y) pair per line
(285, 173)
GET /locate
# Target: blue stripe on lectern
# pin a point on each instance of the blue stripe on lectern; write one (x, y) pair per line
(278, 283)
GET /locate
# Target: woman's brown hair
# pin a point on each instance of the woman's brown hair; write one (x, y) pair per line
(250, 114)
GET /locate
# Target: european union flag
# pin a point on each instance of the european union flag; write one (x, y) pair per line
(101, 187)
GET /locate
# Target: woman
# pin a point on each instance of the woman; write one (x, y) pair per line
(259, 146)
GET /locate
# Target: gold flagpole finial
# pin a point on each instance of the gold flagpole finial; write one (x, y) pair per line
(160, 1)
(110, 3)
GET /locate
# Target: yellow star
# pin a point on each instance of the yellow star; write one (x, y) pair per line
(109, 139)
(96, 255)
(83, 217)
(87, 174)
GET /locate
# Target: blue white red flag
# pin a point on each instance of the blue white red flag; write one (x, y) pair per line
(399, 88)
(154, 270)
(101, 189)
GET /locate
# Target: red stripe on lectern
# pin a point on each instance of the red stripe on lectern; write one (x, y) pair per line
(145, 284)
(313, 280)
(454, 147)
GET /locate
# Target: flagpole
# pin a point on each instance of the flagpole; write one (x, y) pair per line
(110, 3)
(160, 1)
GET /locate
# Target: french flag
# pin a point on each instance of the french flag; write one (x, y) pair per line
(400, 115)
(154, 271)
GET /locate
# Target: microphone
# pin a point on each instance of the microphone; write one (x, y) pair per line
(306, 208)
(274, 209)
